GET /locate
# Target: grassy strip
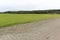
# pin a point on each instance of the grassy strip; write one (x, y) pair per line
(11, 19)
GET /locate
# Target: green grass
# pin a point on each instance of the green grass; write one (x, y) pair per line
(11, 19)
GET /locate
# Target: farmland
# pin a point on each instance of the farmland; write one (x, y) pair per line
(12, 19)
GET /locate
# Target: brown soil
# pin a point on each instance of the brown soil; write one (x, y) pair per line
(41, 30)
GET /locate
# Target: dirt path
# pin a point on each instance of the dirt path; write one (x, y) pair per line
(45, 30)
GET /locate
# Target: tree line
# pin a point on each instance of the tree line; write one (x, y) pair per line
(33, 12)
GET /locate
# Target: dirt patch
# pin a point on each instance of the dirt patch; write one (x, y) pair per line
(41, 30)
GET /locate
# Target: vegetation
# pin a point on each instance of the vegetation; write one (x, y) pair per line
(11, 19)
(33, 12)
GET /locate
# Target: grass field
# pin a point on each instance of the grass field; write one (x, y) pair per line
(11, 19)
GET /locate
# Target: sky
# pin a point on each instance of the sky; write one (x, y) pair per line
(14, 5)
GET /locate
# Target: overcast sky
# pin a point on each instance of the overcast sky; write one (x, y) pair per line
(6, 5)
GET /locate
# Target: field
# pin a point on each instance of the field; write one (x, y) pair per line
(12, 19)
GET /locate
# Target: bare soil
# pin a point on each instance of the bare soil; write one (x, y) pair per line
(41, 30)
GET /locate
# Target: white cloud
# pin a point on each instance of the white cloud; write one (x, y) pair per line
(28, 4)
